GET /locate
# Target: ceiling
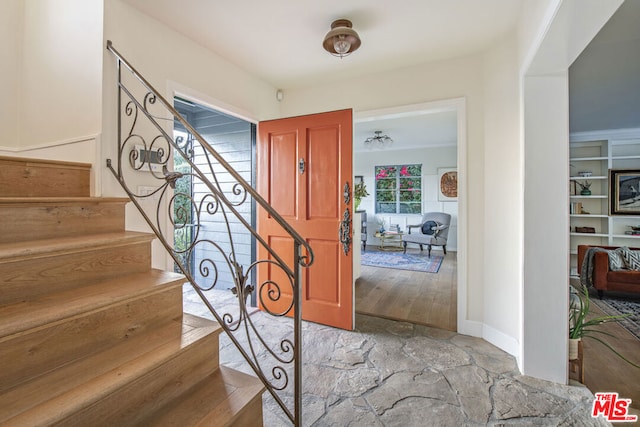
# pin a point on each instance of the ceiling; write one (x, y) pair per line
(412, 130)
(280, 41)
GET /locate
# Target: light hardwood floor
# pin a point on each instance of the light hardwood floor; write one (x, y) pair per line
(412, 296)
(604, 371)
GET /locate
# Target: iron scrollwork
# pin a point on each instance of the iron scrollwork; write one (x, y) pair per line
(204, 260)
(347, 193)
(344, 232)
(344, 229)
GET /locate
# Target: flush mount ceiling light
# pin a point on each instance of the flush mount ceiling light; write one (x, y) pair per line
(378, 141)
(341, 40)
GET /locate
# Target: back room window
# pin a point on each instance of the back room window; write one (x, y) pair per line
(399, 189)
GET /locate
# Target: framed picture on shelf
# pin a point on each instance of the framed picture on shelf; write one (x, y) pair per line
(624, 192)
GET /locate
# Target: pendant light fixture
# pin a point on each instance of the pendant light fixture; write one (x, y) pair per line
(378, 141)
(341, 40)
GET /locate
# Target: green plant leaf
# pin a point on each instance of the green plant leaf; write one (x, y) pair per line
(615, 352)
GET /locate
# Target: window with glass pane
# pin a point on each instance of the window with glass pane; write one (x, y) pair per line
(399, 189)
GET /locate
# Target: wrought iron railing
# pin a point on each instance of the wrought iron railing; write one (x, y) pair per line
(145, 144)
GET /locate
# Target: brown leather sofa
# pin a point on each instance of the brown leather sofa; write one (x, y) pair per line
(606, 280)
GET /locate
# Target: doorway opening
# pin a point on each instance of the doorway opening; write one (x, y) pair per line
(431, 135)
(235, 140)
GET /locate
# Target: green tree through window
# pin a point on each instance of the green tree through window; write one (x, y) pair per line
(399, 189)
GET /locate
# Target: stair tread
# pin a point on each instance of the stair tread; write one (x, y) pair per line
(89, 333)
(49, 308)
(33, 248)
(45, 399)
(60, 200)
(217, 400)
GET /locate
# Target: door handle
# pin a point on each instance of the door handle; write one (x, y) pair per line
(301, 165)
(344, 231)
(346, 193)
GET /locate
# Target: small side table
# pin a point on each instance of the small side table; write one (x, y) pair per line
(389, 241)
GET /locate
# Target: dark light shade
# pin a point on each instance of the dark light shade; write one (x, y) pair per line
(341, 40)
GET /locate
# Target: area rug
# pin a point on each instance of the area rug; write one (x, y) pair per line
(401, 261)
(615, 304)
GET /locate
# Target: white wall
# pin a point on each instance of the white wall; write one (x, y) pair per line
(168, 59)
(11, 20)
(546, 269)
(545, 135)
(451, 79)
(535, 19)
(59, 90)
(51, 80)
(61, 82)
(431, 159)
(502, 197)
(493, 204)
(174, 65)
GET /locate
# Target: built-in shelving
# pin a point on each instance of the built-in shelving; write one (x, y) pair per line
(595, 153)
(581, 178)
(626, 236)
(589, 234)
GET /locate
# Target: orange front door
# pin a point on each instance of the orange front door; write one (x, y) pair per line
(303, 165)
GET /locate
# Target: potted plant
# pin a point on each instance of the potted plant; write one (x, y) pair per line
(581, 327)
(359, 192)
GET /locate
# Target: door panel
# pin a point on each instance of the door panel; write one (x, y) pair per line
(327, 257)
(283, 152)
(277, 299)
(324, 171)
(311, 199)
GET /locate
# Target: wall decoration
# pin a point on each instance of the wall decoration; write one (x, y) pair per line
(624, 192)
(447, 184)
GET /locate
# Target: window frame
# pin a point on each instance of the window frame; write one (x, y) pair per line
(383, 178)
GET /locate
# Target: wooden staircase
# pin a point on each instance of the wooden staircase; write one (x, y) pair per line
(90, 334)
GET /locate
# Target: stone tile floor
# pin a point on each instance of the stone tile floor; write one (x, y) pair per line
(388, 373)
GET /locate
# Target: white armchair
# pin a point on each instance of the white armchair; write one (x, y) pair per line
(432, 231)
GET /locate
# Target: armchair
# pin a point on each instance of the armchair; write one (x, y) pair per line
(432, 231)
(363, 229)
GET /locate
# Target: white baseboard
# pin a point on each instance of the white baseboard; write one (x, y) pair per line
(470, 327)
(501, 340)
